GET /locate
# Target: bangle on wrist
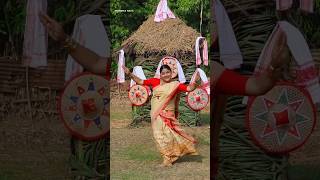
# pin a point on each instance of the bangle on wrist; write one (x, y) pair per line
(271, 70)
(194, 85)
(70, 44)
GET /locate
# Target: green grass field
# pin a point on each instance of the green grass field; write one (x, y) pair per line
(134, 155)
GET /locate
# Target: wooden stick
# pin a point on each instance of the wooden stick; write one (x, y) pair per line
(28, 97)
(201, 17)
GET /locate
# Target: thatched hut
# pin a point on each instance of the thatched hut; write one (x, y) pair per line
(150, 43)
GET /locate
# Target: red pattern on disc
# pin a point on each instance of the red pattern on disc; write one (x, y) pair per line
(138, 95)
(83, 106)
(281, 120)
(197, 99)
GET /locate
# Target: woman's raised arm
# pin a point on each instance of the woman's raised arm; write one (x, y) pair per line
(133, 77)
(84, 56)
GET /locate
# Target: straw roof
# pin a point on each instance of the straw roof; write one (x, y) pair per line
(170, 37)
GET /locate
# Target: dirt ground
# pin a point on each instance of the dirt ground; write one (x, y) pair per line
(134, 154)
(33, 150)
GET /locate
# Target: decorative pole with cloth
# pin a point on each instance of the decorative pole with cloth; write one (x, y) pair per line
(121, 63)
(35, 42)
(204, 51)
(120, 72)
(35, 36)
(163, 12)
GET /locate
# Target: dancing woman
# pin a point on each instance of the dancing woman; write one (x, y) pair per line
(171, 140)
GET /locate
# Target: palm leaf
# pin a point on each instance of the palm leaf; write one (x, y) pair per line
(81, 169)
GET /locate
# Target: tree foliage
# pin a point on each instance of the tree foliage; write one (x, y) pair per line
(127, 16)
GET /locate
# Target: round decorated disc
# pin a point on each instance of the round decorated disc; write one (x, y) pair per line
(281, 120)
(84, 106)
(138, 95)
(197, 99)
(172, 63)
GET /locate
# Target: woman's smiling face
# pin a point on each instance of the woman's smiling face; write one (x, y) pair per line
(165, 75)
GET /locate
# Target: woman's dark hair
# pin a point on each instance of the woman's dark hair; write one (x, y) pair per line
(165, 67)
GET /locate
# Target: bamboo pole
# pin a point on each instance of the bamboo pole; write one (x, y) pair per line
(28, 98)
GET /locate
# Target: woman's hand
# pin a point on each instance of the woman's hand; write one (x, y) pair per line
(132, 76)
(280, 52)
(280, 58)
(197, 76)
(193, 85)
(54, 29)
(126, 70)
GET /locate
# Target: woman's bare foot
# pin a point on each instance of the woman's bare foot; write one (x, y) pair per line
(166, 163)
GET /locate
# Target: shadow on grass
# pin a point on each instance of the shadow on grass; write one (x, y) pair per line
(190, 158)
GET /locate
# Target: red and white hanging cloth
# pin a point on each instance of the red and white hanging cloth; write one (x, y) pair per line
(204, 51)
(305, 5)
(35, 35)
(163, 12)
(121, 63)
